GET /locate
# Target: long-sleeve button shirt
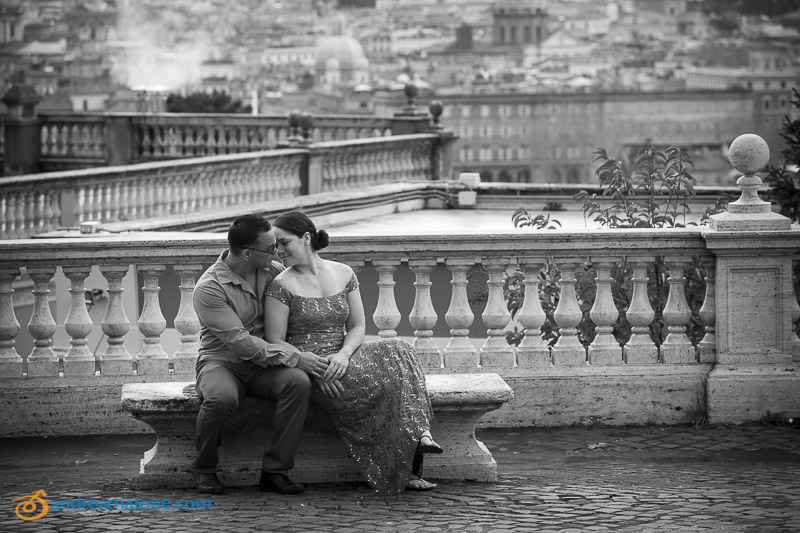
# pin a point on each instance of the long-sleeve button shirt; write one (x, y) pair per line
(231, 313)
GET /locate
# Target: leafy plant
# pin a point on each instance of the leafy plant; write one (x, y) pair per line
(655, 195)
(523, 219)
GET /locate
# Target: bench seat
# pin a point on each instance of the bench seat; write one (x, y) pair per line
(170, 409)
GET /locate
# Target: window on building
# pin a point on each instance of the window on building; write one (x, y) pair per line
(486, 111)
(485, 154)
(526, 31)
(524, 110)
(513, 37)
(766, 103)
(486, 131)
(506, 131)
(466, 131)
(465, 111)
(504, 111)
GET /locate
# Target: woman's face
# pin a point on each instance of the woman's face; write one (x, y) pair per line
(290, 248)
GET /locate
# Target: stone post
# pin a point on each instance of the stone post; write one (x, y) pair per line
(754, 373)
(22, 130)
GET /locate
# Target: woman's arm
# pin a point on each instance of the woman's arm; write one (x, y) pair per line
(355, 326)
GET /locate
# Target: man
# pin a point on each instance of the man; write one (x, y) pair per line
(235, 360)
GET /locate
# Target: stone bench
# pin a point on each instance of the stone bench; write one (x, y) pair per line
(458, 401)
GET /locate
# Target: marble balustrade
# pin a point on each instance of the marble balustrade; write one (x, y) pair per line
(40, 203)
(38, 261)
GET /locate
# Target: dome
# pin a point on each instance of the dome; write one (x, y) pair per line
(345, 49)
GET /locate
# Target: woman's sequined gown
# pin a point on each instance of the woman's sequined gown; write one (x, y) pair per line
(384, 408)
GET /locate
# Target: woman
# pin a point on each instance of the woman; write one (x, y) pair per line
(374, 392)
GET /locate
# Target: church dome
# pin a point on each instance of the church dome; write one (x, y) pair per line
(346, 50)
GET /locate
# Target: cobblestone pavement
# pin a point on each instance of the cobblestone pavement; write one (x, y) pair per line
(643, 480)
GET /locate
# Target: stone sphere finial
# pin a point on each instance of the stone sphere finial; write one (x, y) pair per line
(410, 90)
(436, 107)
(749, 153)
(306, 124)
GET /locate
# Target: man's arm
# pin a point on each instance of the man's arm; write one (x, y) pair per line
(214, 312)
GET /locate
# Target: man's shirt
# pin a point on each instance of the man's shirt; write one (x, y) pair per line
(231, 313)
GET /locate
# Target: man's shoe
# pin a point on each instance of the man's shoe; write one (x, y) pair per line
(208, 483)
(278, 483)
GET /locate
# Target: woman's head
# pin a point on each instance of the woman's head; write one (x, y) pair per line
(299, 225)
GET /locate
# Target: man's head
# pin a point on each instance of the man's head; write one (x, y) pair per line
(251, 237)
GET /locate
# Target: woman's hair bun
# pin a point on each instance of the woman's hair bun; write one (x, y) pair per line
(322, 239)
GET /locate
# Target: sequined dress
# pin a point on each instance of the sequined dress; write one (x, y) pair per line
(385, 406)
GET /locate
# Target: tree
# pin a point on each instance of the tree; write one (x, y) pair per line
(200, 102)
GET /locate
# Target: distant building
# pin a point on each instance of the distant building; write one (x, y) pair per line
(549, 138)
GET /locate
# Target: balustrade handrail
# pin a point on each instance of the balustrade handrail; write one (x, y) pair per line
(136, 248)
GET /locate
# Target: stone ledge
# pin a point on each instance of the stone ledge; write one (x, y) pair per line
(458, 401)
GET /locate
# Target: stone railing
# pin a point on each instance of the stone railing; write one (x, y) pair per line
(39, 203)
(51, 142)
(611, 380)
(169, 136)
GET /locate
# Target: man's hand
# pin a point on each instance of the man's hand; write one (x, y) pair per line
(331, 389)
(313, 364)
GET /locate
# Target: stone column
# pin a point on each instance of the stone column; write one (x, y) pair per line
(22, 130)
(753, 246)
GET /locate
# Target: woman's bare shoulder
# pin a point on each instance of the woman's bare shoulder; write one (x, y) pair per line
(341, 271)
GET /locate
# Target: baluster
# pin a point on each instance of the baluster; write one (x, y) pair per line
(532, 350)
(98, 142)
(49, 223)
(4, 229)
(18, 216)
(386, 316)
(186, 321)
(10, 216)
(423, 316)
(29, 226)
(104, 195)
(79, 208)
(44, 140)
(116, 359)
(459, 352)
(10, 360)
(149, 203)
(604, 349)
(568, 350)
(640, 349)
(43, 361)
(79, 360)
(707, 347)
(152, 357)
(677, 347)
(36, 210)
(147, 143)
(496, 352)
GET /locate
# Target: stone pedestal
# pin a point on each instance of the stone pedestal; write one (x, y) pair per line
(754, 373)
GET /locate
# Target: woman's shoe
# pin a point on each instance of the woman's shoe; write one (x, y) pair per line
(426, 444)
(417, 483)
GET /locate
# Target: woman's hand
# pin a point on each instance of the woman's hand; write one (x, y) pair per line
(337, 365)
(332, 389)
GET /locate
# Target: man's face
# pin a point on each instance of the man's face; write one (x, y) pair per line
(262, 252)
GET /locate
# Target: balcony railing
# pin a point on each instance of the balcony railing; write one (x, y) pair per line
(73, 341)
(39, 203)
(116, 257)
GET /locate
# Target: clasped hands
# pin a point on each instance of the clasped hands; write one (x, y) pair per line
(326, 370)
